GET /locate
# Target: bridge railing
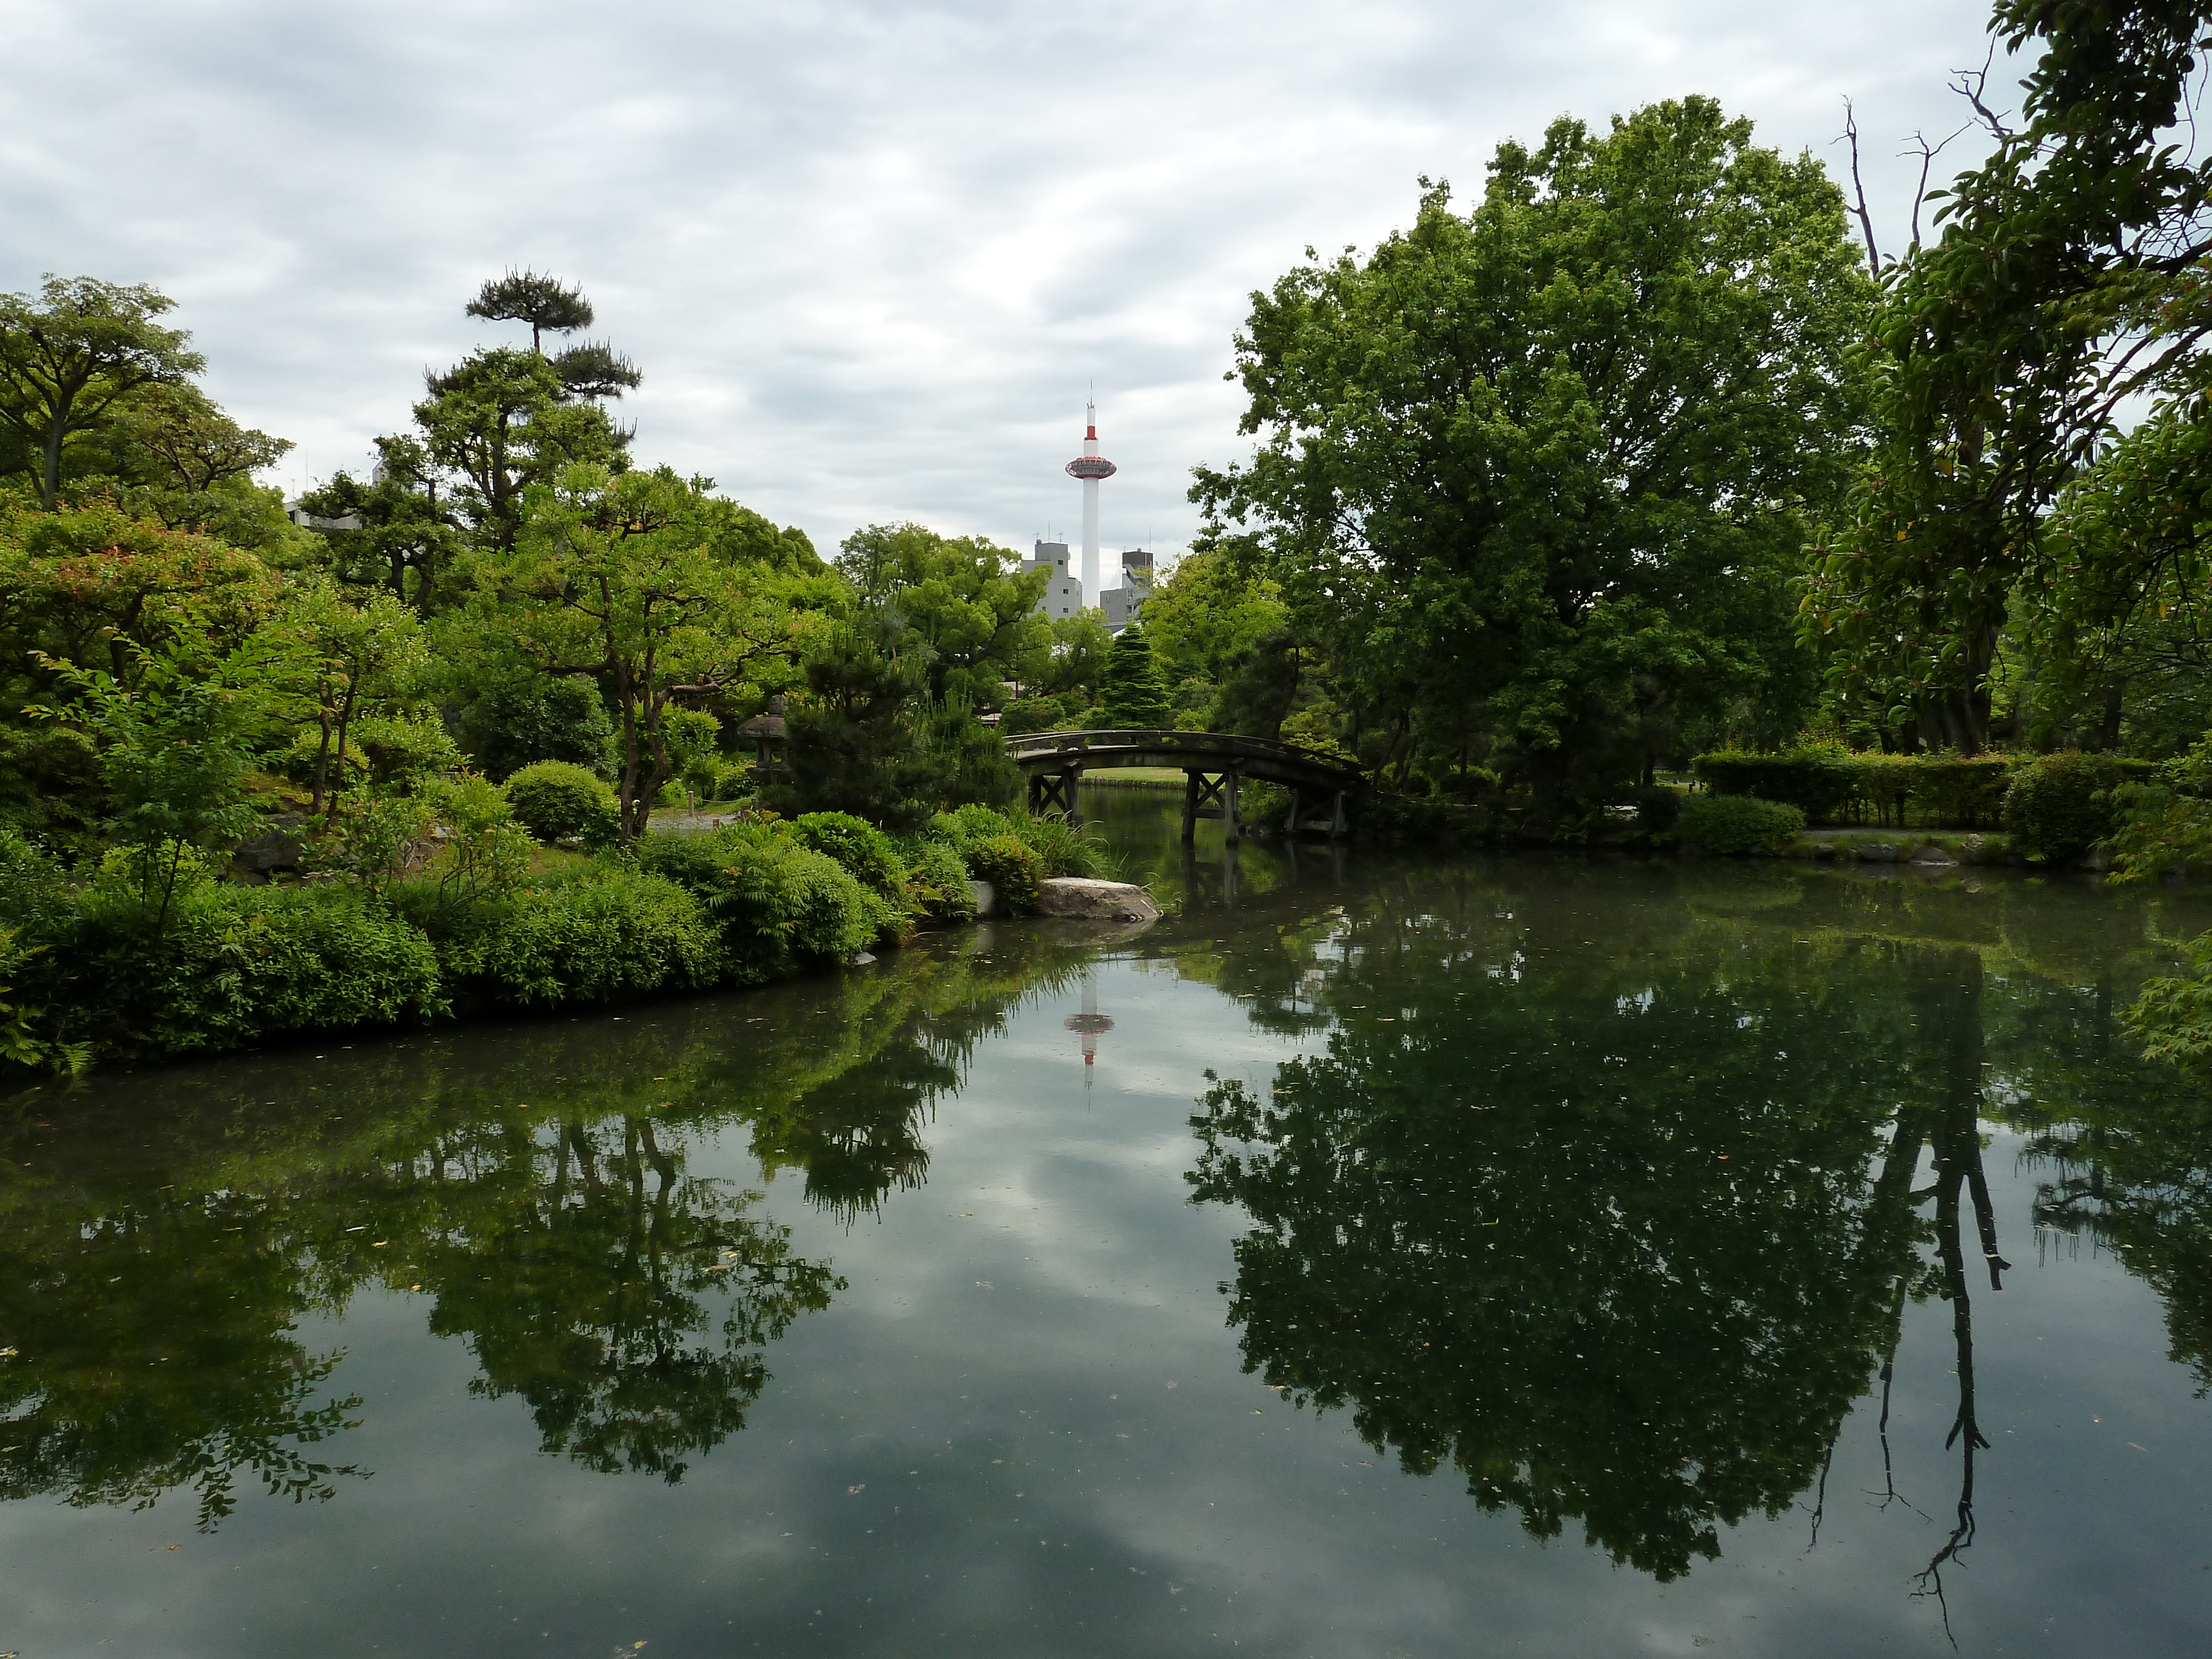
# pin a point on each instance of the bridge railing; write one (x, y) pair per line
(1194, 746)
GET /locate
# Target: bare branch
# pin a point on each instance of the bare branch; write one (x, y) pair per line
(1850, 135)
(1927, 152)
(1970, 84)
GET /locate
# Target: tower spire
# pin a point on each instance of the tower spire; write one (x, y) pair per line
(1091, 466)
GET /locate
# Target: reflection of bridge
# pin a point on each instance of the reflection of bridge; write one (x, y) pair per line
(1212, 763)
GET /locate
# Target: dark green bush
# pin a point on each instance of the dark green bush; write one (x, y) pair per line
(937, 883)
(1658, 810)
(1819, 783)
(525, 717)
(1010, 866)
(235, 965)
(1962, 792)
(779, 905)
(556, 800)
(859, 847)
(605, 931)
(1738, 823)
(2059, 806)
(1059, 848)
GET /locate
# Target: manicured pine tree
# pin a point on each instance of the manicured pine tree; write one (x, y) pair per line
(1134, 695)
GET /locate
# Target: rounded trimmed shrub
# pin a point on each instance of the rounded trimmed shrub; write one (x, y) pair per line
(858, 845)
(1737, 823)
(556, 800)
(937, 883)
(1011, 866)
(2059, 806)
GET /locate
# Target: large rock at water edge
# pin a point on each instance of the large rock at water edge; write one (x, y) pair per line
(1094, 900)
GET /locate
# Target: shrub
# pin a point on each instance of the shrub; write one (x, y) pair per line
(237, 964)
(1965, 794)
(1010, 865)
(937, 884)
(2060, 805)
(1738, 823)
(1819, 782)
(779, 905)
(608, 931)
(1658, 810)
(858, 846)
(555, 799)
(525, 717)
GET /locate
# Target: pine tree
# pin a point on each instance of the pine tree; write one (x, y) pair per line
(1134, 695)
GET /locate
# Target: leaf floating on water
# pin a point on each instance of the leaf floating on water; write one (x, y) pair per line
(850, 1490)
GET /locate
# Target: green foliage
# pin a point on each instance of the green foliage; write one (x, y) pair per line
(1737, 823)
(2061, 805)
(2171, 1017)
(2057, 294)
(781, 907)
(602, 934)
(1133, 694)
(1010, 866)
(486, 852)
(1440, 487)
(235, 966)
(937, 883)
(1060, 849)
(963, 606)
(859, 847)
(2165, 818)
(1831, 784)
(523, 716)
(1657, 812)
(70, 353)
(174, 749)
(556, 800)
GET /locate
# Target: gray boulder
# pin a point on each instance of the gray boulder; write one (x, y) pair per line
(1932, 853)
(1876, 852)
(1087, 900)
(274, 848)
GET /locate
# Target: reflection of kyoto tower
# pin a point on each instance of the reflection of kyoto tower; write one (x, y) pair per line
(1090, 1023)
(1091, 466)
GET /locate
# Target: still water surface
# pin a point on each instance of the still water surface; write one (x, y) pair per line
(1378, 1255)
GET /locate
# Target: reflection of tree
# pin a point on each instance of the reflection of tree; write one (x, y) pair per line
(1600, 1236)
(579, 1262)
(1621, 1235)
(628, 1304)
(152, 1352)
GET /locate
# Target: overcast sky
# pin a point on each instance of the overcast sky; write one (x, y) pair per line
(870, 255)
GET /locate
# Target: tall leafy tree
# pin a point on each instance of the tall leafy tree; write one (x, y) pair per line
(1552, 459)
(2067, 287)
(70, 352)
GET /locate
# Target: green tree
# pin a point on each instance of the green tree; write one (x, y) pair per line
(174, 748)
(1552, 461)
(1133, 696)
(368, 662)
(501, 421)
(69, 354)
(546, 303)
(2065, 287)
(963, 606)
(642, 581)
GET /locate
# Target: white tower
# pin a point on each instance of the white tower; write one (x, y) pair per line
(1091, 466)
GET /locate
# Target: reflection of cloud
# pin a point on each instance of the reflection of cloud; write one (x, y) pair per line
(813, 224)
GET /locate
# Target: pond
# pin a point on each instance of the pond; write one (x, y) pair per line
(1380, 1254)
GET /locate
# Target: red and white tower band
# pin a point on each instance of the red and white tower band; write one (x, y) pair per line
(1091, 466)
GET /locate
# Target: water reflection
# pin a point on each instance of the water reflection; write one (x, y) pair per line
(1619, 1218)
(162, 1239)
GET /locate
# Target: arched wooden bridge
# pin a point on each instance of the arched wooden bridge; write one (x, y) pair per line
(1322, 793)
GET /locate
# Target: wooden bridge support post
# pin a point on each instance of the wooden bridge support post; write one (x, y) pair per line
(1190, 788)
(1229, 824)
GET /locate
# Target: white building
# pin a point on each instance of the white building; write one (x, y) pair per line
(1063, 594)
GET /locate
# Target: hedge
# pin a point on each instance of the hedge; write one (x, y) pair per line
(1833, 784)
(1737, 823)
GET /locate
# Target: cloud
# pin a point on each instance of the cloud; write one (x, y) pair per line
(870, 255)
